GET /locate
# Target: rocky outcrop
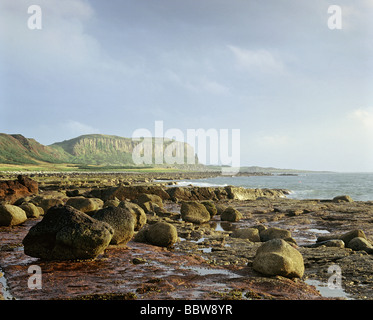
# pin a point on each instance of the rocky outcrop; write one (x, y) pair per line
(277, 257)
(11, 190)
(186, 193)
(67, 234)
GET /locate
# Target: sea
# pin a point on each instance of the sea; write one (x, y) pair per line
(359, 186)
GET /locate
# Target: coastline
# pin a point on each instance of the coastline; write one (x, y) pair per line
(213, 263)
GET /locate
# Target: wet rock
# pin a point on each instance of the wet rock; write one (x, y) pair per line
(162, 234)
(344, 198)
(194, 212)
(251, 234)
(66, 233)
(121, 220)
(11, 215)
(31, 210)
(277, 257)
(86, 205)
(359, 243)
(231, 214)
(274, 233)
(137, 212)
(220, 208)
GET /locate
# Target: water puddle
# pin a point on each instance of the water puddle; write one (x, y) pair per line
(202, 271)
(327, 292)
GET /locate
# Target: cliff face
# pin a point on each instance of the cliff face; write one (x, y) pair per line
(95, 149)
(105, 149)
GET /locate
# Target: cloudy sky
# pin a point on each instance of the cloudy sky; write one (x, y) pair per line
(300, 93)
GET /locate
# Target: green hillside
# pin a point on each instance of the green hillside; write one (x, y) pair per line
(16, 149)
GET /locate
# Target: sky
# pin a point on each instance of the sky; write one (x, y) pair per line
(299, 92)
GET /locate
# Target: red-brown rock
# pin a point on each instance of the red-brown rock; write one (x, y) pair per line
(11, 190)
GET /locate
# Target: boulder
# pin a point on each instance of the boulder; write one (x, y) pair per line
(211, 208)
(345, 237)
(251, 234)
(344, 198)
(277, 257)
(31, 210)
(231, 214)
(11, 215)
(121, 220)
(66, 233)
(137, 212)
(46, 204)
(359, 243)
(161, 234)
(274, 233)
(194, 212)
(86, 205)
(111, 203)
(149, 197)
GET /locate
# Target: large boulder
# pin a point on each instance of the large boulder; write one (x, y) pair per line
(194, 212)
(66, 233)
(137, 212)
(121, 220)
(11, 215)
(160, 234)
(277, 257)
(31, 210)
(345, 237)
(231, 214)
(211, 208)
(344, 198)
(86, 205)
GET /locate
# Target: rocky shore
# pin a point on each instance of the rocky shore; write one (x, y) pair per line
(139, 236)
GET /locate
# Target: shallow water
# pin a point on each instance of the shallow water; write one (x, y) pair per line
(327, 292)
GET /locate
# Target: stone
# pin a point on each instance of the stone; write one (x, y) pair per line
(11, 215)
(251, 234)
(220, 208)
(149, 197)
(345, 237)
(231, 214)
(274, 233)
(46, 204)
(137, 212)
(344, 198)
(211, 208)
(162, 234)
(121, 220)
(111, 203)
(86, 205)
(278, 258)
(359, 243)
(31, 210)
(66, 233)
(194, 212)
(334, 243)
(12, 190)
